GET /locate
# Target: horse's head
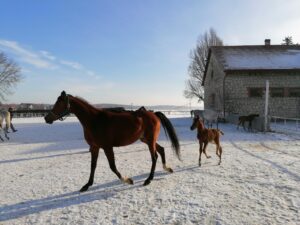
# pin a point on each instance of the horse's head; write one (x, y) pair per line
(60, 109)
(195, 121)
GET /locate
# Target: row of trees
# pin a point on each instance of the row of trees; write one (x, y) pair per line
(199, 56)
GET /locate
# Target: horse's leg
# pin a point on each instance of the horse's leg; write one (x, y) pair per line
(161, 151)
(250, 125)
(200, 152)
(201, 149)
(243, 123)
(204, 150)
(94, 157)
(5, 133)
(1, 138)
(239, 123)
(220, 154)
(154, 159)
(111, 160)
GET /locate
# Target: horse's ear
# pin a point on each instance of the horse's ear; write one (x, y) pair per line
(63, 94)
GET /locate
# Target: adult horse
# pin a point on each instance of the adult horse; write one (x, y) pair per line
(4, 115)
(249, 119)
(106, 129)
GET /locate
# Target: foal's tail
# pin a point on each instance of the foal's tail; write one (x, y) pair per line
(221, 132)
(170, 132)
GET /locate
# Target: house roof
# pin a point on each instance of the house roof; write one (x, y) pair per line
(256, 57)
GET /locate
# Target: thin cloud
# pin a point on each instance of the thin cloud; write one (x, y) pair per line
(25, 55)
(43, 59)
(74, 65)
(48, 55)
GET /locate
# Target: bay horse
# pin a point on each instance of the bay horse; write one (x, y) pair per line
(4, 115)
(107, 129)
(249, 119)
(205, 136)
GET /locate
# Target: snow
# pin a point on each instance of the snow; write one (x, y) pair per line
(43, 167)
(261, 57)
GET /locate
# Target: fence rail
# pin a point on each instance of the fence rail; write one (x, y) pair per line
(42, 113)
(30, 113)
(286, 125)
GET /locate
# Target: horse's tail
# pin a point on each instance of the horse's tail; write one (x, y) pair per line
(221, 132)
(170, 132)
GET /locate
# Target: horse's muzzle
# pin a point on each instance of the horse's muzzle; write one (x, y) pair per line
(48, 119)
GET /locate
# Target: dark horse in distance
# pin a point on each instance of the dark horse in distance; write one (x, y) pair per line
(249, 119)
(107, 129)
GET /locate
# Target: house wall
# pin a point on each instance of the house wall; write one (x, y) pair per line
(214, 86)
(237, 100)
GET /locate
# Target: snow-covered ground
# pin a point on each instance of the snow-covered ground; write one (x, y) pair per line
(43, 166)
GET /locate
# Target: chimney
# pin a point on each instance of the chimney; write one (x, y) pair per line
(267, 42)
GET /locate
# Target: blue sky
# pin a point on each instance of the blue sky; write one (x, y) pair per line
(127, 51)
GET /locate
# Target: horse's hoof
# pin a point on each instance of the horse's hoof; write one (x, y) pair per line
(147, 182)
(208, 157)
(129, 181)
(84, 188)
(199, 164)
(170, 170)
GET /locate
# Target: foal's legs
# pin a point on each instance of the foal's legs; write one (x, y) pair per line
(200, 152)
(220, 154)
(111, 160)
(161, 151)
(204, 151)
(94, 157)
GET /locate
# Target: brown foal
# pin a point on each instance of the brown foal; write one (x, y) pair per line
(204, 136)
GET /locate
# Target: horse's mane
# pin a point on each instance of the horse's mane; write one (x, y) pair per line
(85, 102)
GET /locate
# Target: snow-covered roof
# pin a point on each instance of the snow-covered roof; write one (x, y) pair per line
(262, 57)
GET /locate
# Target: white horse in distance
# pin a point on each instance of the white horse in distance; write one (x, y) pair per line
(4, 115)
(208, 115)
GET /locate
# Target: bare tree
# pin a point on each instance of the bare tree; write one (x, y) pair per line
(9, 75)
(193, 88)
(287, 41)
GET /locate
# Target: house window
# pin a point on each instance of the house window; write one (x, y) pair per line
(294, 92)
(255, 92)
(277, 92)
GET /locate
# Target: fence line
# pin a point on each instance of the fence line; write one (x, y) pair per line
(282, 124)
(42, 113)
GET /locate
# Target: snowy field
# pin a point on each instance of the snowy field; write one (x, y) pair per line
(43, 167)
